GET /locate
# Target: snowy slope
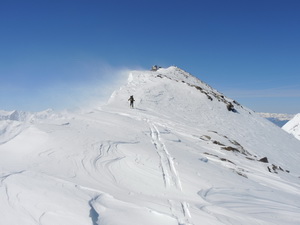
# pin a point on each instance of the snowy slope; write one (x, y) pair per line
(293, 126)
(179, 157)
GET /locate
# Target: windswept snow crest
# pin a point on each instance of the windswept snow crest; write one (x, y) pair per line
(184, 155)
(22, 116)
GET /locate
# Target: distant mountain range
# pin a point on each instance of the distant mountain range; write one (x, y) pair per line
(277, 118)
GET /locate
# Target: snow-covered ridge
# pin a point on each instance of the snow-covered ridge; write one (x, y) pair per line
(172, 92)
(179, 157)
(22, 116)
(13, 115)
(162, 83)
(293, 126)
(179, 75)
(12, 123)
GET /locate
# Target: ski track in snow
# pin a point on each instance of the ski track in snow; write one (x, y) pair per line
(169, 173)
(179, 210)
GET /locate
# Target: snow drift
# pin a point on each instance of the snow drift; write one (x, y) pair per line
(181, 156)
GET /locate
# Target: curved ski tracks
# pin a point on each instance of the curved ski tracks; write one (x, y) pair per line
(169, 173)
(179, 209)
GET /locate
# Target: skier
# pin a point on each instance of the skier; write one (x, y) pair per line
(131, 100)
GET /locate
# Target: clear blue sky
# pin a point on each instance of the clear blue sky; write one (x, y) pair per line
(56, 53)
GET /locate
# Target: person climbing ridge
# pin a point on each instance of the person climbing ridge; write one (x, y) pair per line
(131, 100)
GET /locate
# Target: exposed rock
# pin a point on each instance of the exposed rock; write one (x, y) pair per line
(218, 143)
(205, 137)
(226, 160)
(264, 160)
(230, 106)
(229, 148)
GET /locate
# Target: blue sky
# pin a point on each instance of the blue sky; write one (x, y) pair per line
(59, 53)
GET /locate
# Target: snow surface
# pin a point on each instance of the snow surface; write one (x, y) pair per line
(178, 158)
(293, 126)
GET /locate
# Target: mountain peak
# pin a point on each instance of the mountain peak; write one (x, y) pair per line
(177, 74)
(174, 93)
(172, 89)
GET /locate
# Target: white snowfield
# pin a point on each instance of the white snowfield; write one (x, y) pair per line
(293, 126)
(180, 157)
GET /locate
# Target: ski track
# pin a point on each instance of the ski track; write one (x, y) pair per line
(180, 211)
(106, 155)
(169, 173)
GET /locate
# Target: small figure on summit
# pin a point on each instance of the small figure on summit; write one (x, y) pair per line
(155, 68)
(131, 100)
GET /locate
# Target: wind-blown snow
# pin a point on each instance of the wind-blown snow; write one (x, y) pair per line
(293, 126)
(179, 157)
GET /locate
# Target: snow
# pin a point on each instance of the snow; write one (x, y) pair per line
(178, 157)
(293, 126)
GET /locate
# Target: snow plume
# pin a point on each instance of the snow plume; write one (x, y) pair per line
(75, 84)
(91, 90)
